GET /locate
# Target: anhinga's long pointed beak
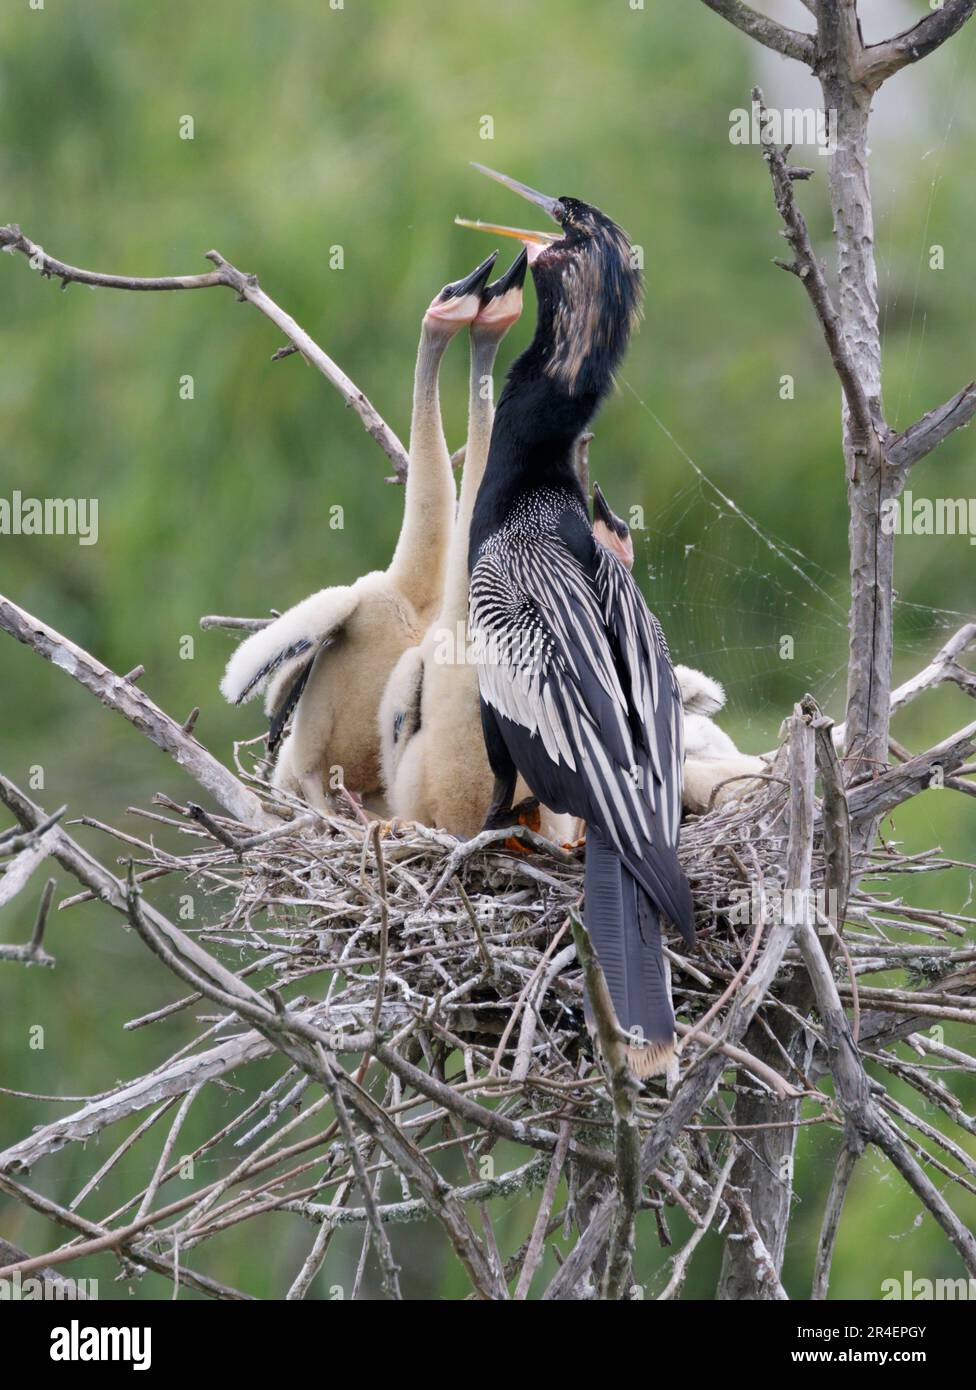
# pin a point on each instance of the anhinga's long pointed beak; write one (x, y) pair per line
(523, 234)
(551, 205)
(535, 242)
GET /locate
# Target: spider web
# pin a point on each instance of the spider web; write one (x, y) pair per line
(727, 590)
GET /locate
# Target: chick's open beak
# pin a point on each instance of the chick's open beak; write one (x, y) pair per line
(459, 302)
(513, 279)
(501, 302)
(611, 530)
(602, 512)
(471, 284)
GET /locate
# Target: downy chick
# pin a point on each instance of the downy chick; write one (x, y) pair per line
(328, 659)
(434, 761)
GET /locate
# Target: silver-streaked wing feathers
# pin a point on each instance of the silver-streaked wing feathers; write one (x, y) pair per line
(605, 711)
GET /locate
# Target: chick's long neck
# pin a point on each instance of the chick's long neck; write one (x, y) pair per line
(428, 510)
(484, 350)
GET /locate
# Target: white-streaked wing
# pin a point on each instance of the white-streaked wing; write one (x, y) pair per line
(647, 661)
(579, 663)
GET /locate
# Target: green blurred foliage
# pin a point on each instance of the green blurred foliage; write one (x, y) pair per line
(315, 128)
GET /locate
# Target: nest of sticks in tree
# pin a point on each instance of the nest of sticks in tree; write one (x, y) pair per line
(421, 998)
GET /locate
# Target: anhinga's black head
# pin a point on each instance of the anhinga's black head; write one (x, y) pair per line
(588, 287)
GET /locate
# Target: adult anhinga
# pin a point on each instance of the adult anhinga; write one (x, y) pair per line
(577, 690)
(328, 659)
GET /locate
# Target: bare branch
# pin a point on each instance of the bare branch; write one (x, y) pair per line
(488, 839)
(17, 873)
(533, 1253)
(128, 700)
(492, 1120)
(626, 1135)
(247, 288)
(12, 841)
(174, 1079)
(120, 1240)
(33, 952)
(864, 1120)
(880, 60)
(792, 43)
(904, 449)
(835, 817)
(767, 1275)
(778, 1085)
(843, 1172)
(683, 1257)
(380, 1240)
(876, 798)
(235, 624)
(54, 1285)
(291, 1033)
(942, 667)
(809, 272)
(219, 832)
(416, 1209)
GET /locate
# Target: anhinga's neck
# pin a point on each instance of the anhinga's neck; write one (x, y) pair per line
(533, 443)
(428, 509)
(588, 299)
(484, 350)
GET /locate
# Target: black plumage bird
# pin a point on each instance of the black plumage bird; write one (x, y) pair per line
(577, 689)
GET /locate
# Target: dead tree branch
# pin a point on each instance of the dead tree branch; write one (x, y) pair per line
(943, 667)
(865, 1123)
(246, 287)
(121, 1240)
(875, 798)
(808, 270)
(927, 433)
(623, 1094)
(791, 43)
(879, 61)
(128, 700)
(33, 952)
(843, 1172)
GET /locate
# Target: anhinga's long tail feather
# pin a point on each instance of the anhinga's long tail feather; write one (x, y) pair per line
(625, 930)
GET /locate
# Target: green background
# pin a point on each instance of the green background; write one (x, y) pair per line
(316, 128)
